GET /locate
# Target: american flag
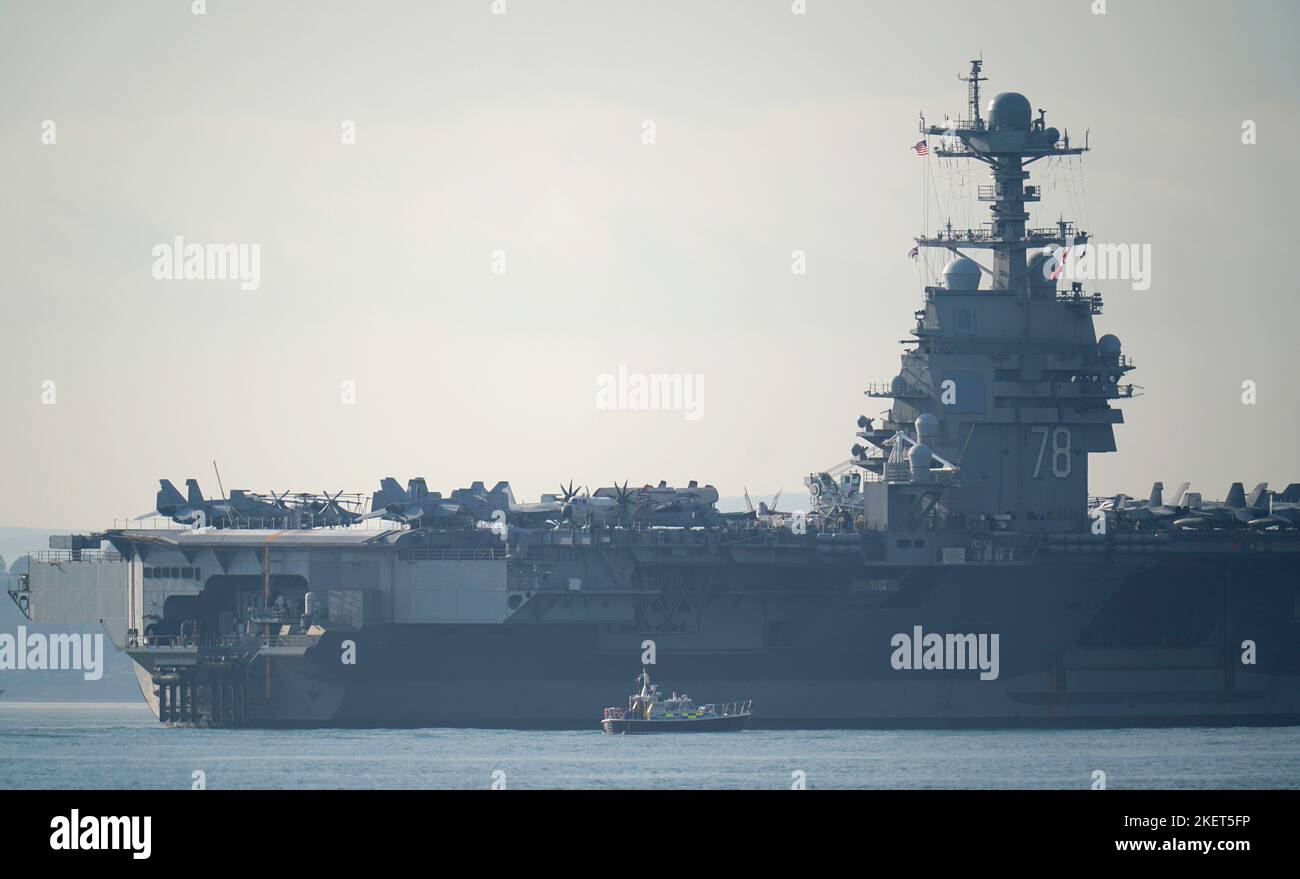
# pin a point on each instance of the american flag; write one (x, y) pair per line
(1060, 262)
(921, 148)
(915, 252)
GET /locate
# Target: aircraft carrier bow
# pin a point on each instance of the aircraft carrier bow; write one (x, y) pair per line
(953, 572)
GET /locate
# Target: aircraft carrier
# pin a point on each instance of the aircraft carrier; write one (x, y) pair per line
(953, 572)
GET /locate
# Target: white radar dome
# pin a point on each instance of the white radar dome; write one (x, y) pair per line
(926, 426)
(961, 274)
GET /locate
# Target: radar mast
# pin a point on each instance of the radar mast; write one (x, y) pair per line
(1009, 140)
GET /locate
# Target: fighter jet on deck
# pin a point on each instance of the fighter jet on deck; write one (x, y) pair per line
(411, 505)
(1151, 511)
(1236, 511)
(242, 510)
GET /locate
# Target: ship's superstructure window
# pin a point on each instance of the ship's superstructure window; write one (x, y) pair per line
(172, 573)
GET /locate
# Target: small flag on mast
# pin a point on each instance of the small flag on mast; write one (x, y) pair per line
(915, 251)
(921, 148)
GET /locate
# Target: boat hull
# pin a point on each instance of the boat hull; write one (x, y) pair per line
(637, 726)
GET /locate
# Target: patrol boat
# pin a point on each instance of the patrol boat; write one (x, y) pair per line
(649, 712)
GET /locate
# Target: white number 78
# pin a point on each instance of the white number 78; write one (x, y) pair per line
(1061, 443)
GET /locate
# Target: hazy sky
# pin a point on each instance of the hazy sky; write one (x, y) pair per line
(523, 133)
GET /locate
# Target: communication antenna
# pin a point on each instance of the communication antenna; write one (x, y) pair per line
(974, 88)
(221, 487)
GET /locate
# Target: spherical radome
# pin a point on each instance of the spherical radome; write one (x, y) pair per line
(926, 425)
(961, 274)
(1010, 111)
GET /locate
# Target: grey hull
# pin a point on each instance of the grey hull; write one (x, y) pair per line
(633, 726)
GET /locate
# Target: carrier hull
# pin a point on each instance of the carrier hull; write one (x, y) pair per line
(1079, 644)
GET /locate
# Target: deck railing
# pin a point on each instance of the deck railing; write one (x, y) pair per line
(221, 642)
(56, 556)
(452, 554)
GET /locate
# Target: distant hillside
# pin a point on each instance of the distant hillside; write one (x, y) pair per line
(15, 542)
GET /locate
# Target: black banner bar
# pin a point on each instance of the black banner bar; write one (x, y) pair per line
(943, 825)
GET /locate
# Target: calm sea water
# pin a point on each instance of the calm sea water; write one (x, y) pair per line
(120, 745)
